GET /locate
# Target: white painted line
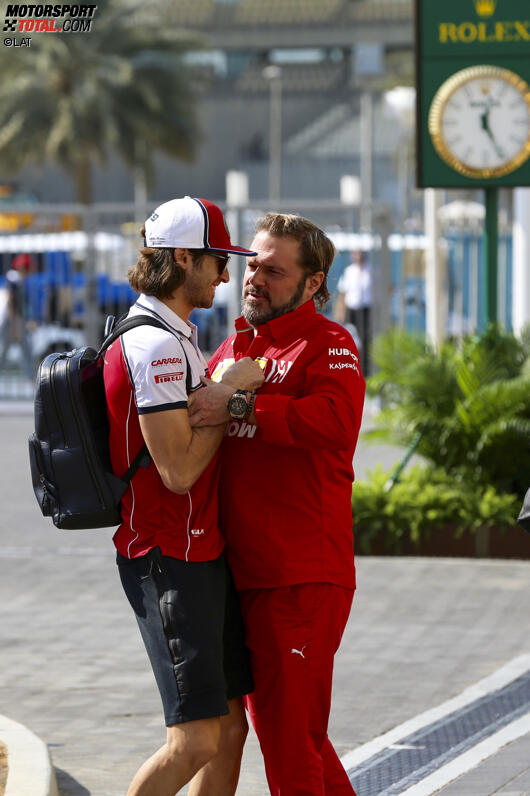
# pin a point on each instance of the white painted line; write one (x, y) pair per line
(506, 674)
(470, 759)
(30, 771)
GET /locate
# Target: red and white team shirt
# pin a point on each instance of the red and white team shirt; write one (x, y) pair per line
(145, 371)
(285, 488)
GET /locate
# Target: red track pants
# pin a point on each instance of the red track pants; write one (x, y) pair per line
(293, 633)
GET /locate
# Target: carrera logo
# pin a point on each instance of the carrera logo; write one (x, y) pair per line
(157, 363)
(161, 378)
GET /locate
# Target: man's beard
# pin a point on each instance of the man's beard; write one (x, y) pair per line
(256, 316)
(195, 290)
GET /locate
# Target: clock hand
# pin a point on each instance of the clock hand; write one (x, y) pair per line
(485, 118)
(485, 124)
(498, 149)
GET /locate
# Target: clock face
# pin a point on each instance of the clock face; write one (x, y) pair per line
(479, 121)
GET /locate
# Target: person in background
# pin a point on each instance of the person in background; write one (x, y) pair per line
(14, 325)
(285, 496)
(355, 301)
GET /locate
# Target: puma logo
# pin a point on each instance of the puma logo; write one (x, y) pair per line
(299, 652)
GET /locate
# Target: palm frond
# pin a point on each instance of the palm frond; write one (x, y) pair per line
(79, 97)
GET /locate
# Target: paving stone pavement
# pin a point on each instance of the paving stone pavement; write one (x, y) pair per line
(73, 669)
(505, 774)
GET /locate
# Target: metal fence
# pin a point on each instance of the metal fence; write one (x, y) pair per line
(63, 269)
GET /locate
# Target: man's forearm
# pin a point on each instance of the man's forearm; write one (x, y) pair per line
(203, 446)
(180, 453)
(185, 469)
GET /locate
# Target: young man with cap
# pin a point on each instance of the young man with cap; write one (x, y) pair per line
(169, 548)
(286, 497)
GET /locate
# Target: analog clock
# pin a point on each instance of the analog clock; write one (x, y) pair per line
(479, 121)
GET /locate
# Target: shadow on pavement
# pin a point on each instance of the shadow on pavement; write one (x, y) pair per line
(68, 786)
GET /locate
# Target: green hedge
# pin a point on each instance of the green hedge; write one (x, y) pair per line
(425, 498)
(465, 409)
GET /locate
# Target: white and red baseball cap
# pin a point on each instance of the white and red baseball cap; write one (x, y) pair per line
(190, 223)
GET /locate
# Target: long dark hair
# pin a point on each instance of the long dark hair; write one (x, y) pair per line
(156, 273)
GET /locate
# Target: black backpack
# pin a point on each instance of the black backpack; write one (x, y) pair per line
(69, 450)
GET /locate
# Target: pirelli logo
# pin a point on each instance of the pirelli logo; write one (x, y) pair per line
(162, 378)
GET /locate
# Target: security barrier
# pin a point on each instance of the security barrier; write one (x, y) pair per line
(63, 269)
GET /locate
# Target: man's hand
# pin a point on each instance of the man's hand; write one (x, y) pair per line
(245, 374)
(208, 407)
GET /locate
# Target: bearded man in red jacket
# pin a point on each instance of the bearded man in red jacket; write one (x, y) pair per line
(285, 496)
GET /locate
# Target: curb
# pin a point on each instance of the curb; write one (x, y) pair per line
(30, 769)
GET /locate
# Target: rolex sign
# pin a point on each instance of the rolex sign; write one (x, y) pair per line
(473, 93)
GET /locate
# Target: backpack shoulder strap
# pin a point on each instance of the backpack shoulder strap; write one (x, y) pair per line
(142, 459)
(125, 324)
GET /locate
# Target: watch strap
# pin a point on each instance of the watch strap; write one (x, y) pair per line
(251, 404)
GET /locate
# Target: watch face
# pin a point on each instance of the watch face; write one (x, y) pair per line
(479, 121)
(237, 406)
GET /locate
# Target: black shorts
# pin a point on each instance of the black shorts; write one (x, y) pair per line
(191, 625)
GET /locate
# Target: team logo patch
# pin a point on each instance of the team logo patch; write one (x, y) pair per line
(275, 369)
(162, 378)
(240, 429)
(221, 369)
(157, 363)
(342, 365)
(342, 352)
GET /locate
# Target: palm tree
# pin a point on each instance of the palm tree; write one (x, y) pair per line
(466, 410)
(73, 98)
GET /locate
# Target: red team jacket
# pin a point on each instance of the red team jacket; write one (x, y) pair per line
(285, 488)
